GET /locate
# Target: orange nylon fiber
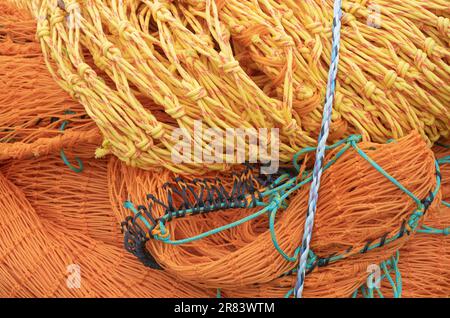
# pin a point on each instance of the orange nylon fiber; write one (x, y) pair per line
(345, 276)
(53, 220)
(346, 217)
(36, 254)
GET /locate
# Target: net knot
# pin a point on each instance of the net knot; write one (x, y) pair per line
(84, 70)
(430, 45)
(420, 58)
(156, 132)
(443, 24)
(348, 18)
(160, 12)
(403, 68)
(71, 6)
(276, 201)
(144, 144)
(110, 51)
(354, 138)
(369, 89)
(390, 78)
(290, 128)
(284, 40)
(197, 93)
(176, 111)
(125, 29)
(44, 30)
(74, 79)
(315, 27)
(231, 66)
(57, 17)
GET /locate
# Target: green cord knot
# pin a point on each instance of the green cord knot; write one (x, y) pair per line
(354, 138)
(276, 200)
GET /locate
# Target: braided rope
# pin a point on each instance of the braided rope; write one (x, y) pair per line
(320, 152)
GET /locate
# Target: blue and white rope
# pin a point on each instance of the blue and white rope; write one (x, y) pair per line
(320, 152)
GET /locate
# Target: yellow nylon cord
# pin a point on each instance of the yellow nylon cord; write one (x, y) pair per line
(247, 64)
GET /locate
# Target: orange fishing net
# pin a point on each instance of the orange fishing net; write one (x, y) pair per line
(33, 106)
(367, 208)
(87, 234)
(56, 224)
(37, 256)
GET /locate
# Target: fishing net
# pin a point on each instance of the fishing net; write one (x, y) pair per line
(368, 218)
(420, 268)
(161, 65)
(39, 259)
(247, 64)
(34, 107)
(90, 239)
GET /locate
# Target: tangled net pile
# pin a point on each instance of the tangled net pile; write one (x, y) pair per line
(247, 64)
(73, 192)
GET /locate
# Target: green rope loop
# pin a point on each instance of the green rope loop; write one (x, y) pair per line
(62, 153)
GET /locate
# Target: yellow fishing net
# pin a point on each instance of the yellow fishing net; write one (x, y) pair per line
(247, 64)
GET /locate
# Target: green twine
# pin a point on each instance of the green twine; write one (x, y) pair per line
(275, 198)
(62, 153)
(388, 267)
(430, 230)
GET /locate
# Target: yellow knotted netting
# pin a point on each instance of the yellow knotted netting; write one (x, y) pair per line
(247, 64)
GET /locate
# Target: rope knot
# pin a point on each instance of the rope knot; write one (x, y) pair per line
(420, 58)
(443, 25)
(403, 68)
(104, 150)
(43, 30)
(369, 89)
(197, 94)
(429, 46)
(390, 78)
(156, 132)
(160, 233)
(290, 128)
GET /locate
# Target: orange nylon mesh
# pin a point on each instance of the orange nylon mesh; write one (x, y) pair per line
(52, 217)
(45, 201)
(36, 253)
(365, 207)
(75, 201)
